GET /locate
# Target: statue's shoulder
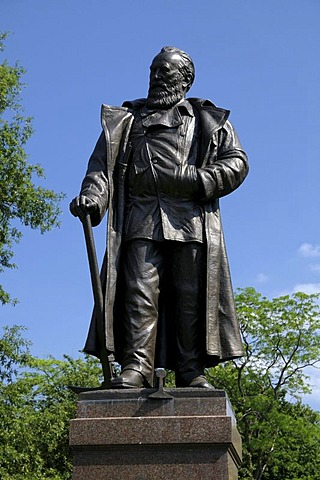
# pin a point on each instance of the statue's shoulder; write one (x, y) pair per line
(105, 108)
(112, 113)
(128, 105)
(212, 117)
(208, 106)
(113, 117)
(133, 105)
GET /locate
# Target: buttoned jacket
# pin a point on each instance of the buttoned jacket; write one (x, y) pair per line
(165, 144)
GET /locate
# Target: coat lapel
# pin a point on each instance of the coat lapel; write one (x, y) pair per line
(212, 119)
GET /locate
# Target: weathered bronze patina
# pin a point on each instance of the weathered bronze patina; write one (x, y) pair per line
(159, 168)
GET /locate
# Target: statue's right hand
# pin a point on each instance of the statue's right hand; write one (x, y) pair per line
(81, 205)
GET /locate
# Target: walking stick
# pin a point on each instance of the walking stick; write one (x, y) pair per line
(106, 360)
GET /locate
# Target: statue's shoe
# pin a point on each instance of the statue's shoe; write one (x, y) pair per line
(201, 382)
(128, 379)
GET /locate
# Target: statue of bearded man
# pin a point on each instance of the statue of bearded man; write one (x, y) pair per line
(159, 168)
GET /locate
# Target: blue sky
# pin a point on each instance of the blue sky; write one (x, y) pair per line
(258, 59)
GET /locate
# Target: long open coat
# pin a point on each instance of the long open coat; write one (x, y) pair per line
(222, 168)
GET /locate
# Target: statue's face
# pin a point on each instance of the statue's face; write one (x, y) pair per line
(167, 85)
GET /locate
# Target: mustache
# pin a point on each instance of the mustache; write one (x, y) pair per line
(162, 85)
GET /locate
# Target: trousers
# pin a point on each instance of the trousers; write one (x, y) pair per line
(164, 279)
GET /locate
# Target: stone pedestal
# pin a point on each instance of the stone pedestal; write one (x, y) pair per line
(124, 435)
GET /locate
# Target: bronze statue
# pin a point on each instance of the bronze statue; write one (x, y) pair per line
(159, 168)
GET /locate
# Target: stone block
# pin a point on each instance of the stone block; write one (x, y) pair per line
(125, 435)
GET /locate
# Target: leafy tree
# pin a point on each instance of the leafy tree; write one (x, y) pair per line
(21, 201)
(281, 436)
(36, 407)
(281, 340)
(297, 454)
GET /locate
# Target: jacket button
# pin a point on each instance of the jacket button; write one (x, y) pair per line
(154, 160)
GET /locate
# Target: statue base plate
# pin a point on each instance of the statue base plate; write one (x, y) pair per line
(125, 435)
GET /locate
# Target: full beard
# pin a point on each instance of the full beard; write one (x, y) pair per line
(164, 98)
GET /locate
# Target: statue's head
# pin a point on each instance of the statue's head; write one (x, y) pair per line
(171, 76)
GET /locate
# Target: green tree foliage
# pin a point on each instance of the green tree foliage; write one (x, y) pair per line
(36, 406)
(21, 201)
(281, 436)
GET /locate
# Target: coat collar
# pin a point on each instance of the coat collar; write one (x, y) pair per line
(183, 106)
(168, 118)
(171, 117)
(212, 116)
